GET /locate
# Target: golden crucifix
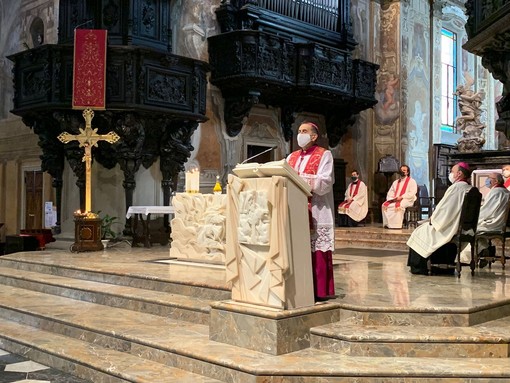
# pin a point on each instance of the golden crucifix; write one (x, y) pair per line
(88, 138)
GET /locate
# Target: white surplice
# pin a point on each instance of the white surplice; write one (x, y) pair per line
(358, 208)
(443, 224)
(492, 218)
(393, 216)
(323, 237)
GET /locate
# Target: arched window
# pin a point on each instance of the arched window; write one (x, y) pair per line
(448, 80)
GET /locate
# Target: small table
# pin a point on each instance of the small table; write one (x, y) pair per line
(139, 212)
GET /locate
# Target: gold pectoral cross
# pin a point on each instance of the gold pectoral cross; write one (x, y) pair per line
(88, 138)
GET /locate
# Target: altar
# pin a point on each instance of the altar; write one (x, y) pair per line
(199, 228)
(146, 236)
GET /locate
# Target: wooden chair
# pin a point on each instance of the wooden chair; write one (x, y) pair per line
(422, 208)
(466, 233)
(427, 203)
(501, 235)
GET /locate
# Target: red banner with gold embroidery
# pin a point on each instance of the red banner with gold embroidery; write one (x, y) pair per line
(89, 74)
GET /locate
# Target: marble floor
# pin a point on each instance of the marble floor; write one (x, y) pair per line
(392, 306)
(17, 369)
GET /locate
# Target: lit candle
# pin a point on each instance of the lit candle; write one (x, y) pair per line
(195, 181)
(188, 182)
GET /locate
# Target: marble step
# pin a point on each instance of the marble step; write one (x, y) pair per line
(428, 316)
(480, 341)
(373, 233)
(372, 238)
(187, 346)
(175, 306)
(371, 243)
(87, 360)
(107, 273)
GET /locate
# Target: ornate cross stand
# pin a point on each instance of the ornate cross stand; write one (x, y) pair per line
(87, 234)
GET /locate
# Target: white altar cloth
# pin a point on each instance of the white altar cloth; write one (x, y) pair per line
(146, 210)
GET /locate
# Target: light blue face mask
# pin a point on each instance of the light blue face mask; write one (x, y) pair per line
(488, 182)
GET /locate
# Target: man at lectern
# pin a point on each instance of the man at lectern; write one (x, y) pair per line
(315, 165)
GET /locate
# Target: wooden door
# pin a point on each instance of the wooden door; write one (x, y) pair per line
(33, 199)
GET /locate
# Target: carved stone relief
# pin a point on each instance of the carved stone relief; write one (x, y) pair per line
(198, 229)
(254, 218)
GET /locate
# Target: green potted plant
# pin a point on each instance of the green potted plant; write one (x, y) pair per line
(107, 233)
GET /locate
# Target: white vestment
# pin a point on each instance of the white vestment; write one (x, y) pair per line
(443, 224)
(394, 216)
(492, 218)
(323, 237)
(358, 207)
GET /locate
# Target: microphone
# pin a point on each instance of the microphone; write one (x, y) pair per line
(259, 154)
(84, 23)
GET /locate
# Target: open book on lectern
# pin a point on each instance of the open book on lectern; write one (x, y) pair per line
(269, 169)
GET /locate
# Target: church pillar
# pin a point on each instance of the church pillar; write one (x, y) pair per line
(416, 88)
(387, 137)
(129, 151)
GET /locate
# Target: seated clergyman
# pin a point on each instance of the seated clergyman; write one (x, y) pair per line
(402, 194)
(491, 218)
(355, 206)
(432, 238)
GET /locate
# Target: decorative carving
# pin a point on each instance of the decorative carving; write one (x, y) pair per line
(175, 146)
(337, 124)
(143, 23)
(129, 153)
(111, 14)
(287, 119)
(175, 149)
(149, 17)
(296, 77)
(469, 123)
(236, 109)
(165, 88)
(260, 272)
(254, 224)
(198, 228)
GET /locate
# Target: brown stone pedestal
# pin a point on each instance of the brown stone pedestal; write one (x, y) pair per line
(271, 331)
(87, 234)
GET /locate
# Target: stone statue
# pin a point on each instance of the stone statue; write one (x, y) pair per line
(468, 122)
